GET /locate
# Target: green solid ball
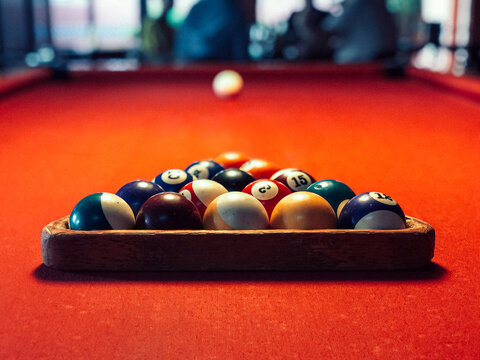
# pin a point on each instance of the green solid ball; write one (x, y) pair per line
(335, 192)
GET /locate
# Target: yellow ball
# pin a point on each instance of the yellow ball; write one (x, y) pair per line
(227, 84)
(235, 211)
(303, 210)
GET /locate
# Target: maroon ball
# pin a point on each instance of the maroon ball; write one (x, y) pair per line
(168, 211)
(295, 180)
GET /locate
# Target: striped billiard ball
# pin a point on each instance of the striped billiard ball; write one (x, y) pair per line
(372, 210)
(102, 211)
(205, 169)
(235, 211)
(202, 193)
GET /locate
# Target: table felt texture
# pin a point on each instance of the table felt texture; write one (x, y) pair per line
(60, 141)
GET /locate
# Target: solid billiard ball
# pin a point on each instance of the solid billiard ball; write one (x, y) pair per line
(294, 179)
(173, 180)
(102, 211)
(168, 211)
(135, 193)
(233, 179)
(372, 210)
(235, 211)
(268, 192)
(335, 192)
(202, 193)
(260, 169)
(205, 169)
(227, 84)
(303, 210)
(231, 159)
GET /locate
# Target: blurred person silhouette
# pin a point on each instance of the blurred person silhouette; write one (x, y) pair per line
(213, 30)
(157, 35)
(365, 31)
(305, 38)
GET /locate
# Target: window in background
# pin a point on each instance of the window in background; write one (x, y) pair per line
(116, 24)
(71, 25)
(272, 20)
(449, 24)
(16, 33)
(176, 16)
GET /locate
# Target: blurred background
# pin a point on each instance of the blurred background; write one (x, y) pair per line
(440, 35)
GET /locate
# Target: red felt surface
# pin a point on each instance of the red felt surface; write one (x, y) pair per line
(60, 141)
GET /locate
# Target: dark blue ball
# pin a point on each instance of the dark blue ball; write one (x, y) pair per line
(372, 210)
(173, 180)
(205, 169)
(135, 193)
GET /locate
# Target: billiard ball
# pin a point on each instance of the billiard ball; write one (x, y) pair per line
(335, 192)
(233, 179)
(231, 159)
(260, 169)
(303, 210)
(173, 180)
(281, 172)
(235, 211)
(372, 210)
(102, 211)
(205, 169)
(227, 84)
(294, 179)
(268, 192)
(202, 193)
(168, 211)
(135, 193)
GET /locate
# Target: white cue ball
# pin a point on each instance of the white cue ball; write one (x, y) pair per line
(227, 84)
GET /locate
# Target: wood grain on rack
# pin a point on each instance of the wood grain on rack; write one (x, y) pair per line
(203, 250)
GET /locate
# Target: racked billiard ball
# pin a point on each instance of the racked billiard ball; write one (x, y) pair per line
(233, 179)
(168, 211)
(173, 180)
(335, 192)
(135, 193)
(268, 192)
(205, 169)
(294, 179)
(235, 211)
(372, 210)
(260, 169)
(202, 193)
(303, 210)
(102, 211)
(231, 159)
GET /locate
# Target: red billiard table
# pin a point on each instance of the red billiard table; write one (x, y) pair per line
(415, 138)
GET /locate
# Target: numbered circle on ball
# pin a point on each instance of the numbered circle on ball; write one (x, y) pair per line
(199, 171)
(264, 190)
(384, 199)
(298, 180)
(187, 194)
(174, 176)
